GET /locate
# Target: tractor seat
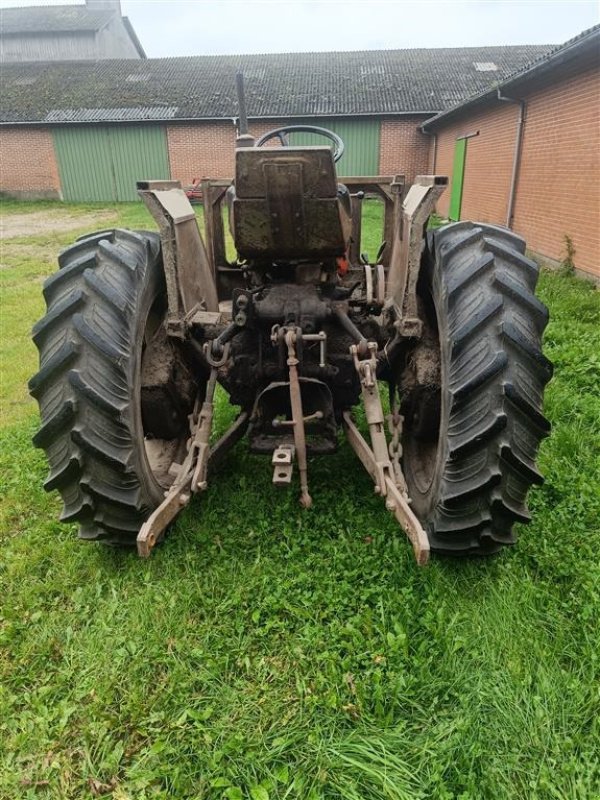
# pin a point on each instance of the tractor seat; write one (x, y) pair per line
(287, 204)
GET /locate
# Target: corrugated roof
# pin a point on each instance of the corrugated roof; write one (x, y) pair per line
(110, 114)
(588, 41)
(52, 19)
(419, 81)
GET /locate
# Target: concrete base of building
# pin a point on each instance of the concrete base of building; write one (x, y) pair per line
(31, 194)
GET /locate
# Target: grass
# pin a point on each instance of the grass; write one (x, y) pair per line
(269, 652)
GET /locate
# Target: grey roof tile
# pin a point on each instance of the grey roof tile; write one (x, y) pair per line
(588, 41)
(419, 81)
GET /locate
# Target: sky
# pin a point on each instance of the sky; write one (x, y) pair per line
(212, 27)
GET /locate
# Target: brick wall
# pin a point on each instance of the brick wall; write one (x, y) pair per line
(403, 149)
(28, 167)
(202, 150)
(557, 191)
(207, 149)
(488, 162)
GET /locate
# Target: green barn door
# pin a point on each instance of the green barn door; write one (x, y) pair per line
(84, 164)
(139, 153)
(458, 174)
(361, 138)
(102, 163)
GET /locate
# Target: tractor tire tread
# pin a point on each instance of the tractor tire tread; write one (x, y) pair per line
(482, 278)
(86, 367)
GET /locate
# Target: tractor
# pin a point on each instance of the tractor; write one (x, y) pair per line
(300, 328)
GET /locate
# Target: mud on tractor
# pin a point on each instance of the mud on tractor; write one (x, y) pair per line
(299, 329)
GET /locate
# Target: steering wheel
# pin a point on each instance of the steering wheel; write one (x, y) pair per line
(282, 134)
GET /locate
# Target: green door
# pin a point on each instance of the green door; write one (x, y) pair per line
(84, 163)
(103, 163)
(139, 153)
(458, 174)
(361, 140)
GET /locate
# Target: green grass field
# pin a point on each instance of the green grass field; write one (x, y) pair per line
(266, 652)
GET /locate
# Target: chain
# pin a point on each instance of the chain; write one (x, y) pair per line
(395, 421)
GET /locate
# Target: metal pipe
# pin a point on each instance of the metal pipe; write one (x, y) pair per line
(226, 335)
(351, 329)
(298, 418)
(244, 138)
(242, 118)
(517, 155)
(433, 135)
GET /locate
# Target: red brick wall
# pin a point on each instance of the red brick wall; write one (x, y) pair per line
(202, 150)
(558, 192)
(559, 175)
(28, 166)
(206, 149)
(488, 163)
(403, 149)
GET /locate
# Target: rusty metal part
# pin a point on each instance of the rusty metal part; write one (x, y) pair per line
(320, 337)
(213, 194)
(214, 356)
(395, 422)
(339, 312)
(188, 273)
(376, 457)
(395, 500)
(272, 425)
(191, 475)
(178, 497)
(379, 284)
(368, 270)
(298, 417)
(283, 464)
(407, 249)
(374, 284)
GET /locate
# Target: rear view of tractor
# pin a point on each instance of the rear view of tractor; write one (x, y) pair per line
(299, 329)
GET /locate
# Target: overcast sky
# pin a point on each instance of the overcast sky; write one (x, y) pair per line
(196, 27)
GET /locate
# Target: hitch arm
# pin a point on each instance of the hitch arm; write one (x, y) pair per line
(375, 457)
(192, 474)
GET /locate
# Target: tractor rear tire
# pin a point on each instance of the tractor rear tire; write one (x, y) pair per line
(103, 305)
(469, 447)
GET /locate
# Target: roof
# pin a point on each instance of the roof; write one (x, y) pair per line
(52, 19)
(587, 42)
(381, 82)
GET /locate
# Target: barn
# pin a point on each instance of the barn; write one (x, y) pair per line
(86, 133)
(516, 128)
(526, 153)
(97, 29)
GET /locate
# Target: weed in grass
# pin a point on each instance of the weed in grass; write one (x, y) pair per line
(270, 652)
(568, 263)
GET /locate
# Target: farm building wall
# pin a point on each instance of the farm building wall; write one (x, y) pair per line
(28, 167)
(558, 193)
(114, 41)
(559, 172)
(207, 149)
(488, 162)
(404, 149)
(56, 46)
